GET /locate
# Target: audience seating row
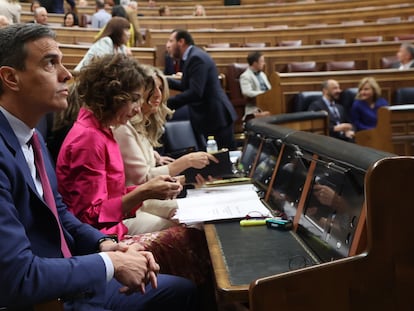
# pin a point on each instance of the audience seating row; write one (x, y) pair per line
(73, 54)
(370, 55)
(285, 86)
(380, 14)
(308, 35)
(257, 8)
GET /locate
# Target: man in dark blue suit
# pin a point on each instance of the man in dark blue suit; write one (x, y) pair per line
(96, 273)
(339, 127)
(211, 112)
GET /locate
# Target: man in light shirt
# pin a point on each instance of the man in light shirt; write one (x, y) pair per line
(405, 57)
(253, 82)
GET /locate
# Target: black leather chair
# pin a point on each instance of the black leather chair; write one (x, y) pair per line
(346, 99)
(403, 96)
(179, 138)
(303, 99)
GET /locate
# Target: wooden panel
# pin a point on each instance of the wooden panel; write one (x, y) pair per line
(366, 55)
(187, 8)
(73, 54)
(394, 131)
(294, 19)
(308, 35)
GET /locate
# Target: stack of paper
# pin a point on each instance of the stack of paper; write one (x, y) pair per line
(220, 203)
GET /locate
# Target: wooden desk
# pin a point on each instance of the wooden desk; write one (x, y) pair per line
(242, 254)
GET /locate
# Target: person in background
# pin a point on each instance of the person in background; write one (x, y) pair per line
(367, 102)
(4, 21)
(405, 57)
(339, 127)
(211, 112)
(130, 15)
(199, 10)
(11, 9)
(70, 20)
(40, 16)
(112, 40)
(137, 139)
(101, 17)
(46, 252)
(164, 11)
(34, 4)
(253, 82)
(57, 6)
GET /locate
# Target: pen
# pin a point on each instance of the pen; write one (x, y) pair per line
(252, 222)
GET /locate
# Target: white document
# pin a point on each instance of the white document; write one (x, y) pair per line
(219, 203)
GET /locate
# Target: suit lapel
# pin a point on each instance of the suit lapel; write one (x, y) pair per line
(11, 142)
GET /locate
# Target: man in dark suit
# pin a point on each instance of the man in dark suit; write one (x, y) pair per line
(405, 57)
(339, 127)
(211, 112)
(46, 252)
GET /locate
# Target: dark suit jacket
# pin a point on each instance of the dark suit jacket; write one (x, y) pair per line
(31, 267)
(398, 64)
(210, 108)
(319, 105)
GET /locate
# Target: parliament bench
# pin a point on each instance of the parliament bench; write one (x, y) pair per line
(367, 55)
(292, 19)
(254, 8)
(287, 166)
(285, 86)
(309, 35)
(394, 131)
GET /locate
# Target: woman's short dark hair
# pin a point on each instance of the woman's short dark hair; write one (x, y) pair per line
(75, 18)
(105, 85)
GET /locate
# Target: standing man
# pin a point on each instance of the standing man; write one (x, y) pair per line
(46, 252)
(211, 112)
(253, 82)
(339, 127)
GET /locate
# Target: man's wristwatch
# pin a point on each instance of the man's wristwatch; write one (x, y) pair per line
(112, 238)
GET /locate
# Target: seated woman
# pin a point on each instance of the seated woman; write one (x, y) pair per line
(367, 102)
(137, 139)
(112, 40)
(91, 175)
(70, 20)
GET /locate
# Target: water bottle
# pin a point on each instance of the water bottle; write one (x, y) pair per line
(211, 145)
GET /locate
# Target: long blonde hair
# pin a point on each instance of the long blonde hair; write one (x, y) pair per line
(152, 126)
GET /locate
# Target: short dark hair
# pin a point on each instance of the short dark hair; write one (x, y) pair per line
(119, 10)
(13, 39)
(105, 84)
(183, 34)
(253, 57)
(410, 49)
